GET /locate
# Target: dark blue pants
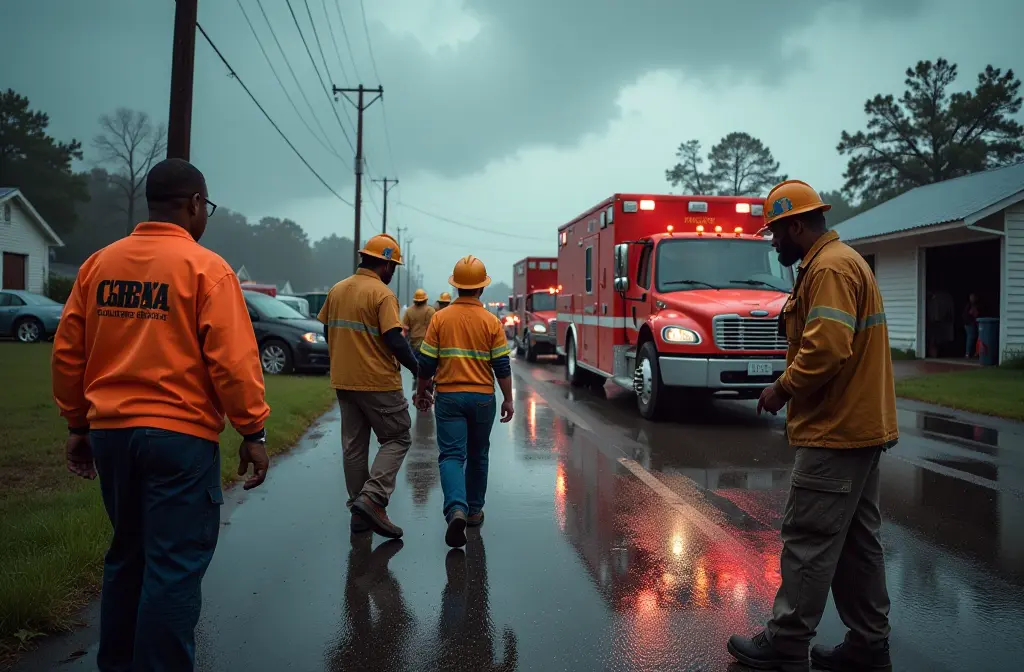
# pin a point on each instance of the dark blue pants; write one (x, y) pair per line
(162, 493)
(464, 421)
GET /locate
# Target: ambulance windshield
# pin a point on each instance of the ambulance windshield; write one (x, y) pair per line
(720, 263)
(542, 301)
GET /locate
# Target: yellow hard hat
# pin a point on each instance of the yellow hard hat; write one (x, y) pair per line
(383, 247)
(790, 198)
(469, 273)
(445, 297)
(420, 295)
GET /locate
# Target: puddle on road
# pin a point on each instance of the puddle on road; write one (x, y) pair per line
(949, 427)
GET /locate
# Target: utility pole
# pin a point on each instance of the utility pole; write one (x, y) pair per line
(361, 106)
(405, 255)
(386, 182)
(183, 58)
(410, 278)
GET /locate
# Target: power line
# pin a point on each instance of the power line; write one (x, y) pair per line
(312, 60)
(298, 84)
(383, 106)
(470, 226)
(232, 73)
(348, 42)
(337, 51)
(291, 100)
(369, 45)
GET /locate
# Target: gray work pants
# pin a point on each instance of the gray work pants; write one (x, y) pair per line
(387, 414)
(831, 539)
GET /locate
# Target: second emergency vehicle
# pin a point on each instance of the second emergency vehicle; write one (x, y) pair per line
(671, 297)
(534, 295)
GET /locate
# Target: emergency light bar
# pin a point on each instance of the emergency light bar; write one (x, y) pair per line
(647, 204)
(697, 206)
(743, 208)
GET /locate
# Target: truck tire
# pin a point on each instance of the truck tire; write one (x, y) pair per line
(531, 352)
(519, 346)
(576, 376)
(652, 397)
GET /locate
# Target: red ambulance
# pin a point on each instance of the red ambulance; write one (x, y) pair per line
(532, 305)
(673, 297)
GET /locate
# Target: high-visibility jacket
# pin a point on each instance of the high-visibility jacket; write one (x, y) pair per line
(466, 342)
(838, 364)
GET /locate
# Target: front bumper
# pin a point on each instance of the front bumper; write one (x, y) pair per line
(717, 374)
(312, 356)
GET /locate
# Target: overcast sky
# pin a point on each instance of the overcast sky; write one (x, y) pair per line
(508, 116)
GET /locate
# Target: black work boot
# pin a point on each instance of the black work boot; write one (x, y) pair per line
(358, 525)
(849, 658)
(455, 536)
(758, 653)
(376, 516)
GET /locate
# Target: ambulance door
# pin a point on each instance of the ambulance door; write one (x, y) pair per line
(590, 351)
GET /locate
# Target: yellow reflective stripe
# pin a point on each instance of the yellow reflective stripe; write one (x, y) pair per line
(500, 352)
(354, 326)
(465, 354)
(833, 314)
(876, 320)
(428, 350)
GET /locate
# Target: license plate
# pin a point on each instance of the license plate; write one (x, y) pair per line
(759, 368)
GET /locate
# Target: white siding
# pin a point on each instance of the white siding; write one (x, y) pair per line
(23, 236)
(896, 272)
(1011, 327)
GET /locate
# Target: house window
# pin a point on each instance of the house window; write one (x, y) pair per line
(870, 258)
(589, 276)
(7, 213)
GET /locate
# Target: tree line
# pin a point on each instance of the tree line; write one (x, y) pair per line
(929, 134)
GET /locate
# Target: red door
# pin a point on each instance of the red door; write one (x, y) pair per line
(590, 348)
(14, 270)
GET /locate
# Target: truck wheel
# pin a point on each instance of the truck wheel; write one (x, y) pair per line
(531, 352)
(519, 347)
(576, 376)
(652, 397)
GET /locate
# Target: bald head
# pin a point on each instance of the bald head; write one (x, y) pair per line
(176, 193)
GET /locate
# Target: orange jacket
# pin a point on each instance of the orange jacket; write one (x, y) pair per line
(466, 339)
(156, 334)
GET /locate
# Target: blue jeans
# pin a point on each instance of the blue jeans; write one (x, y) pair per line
(972, 339)
(162, 493)
(464, 421)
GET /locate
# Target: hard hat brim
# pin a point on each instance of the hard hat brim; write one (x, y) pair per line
(381, 256)
(824, 207)
(477, 285)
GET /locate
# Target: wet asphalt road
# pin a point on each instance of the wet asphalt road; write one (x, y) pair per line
(611, 543)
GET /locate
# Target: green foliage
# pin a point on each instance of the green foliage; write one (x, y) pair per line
(989, 390)
(687, 172)
(740, 165)
(58, 287)
(930, 135)
(903, 355)
(37, 164)
(1013, 358)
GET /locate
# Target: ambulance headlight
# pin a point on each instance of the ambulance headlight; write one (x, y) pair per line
(540, 328)
(680, 335)
(313, 337)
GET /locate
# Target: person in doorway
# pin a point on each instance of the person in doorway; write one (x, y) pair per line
(839, 386)
(147, 360)
(972, 311)
(443, 301)
(415, 322)
(364, 335)
(465, 347)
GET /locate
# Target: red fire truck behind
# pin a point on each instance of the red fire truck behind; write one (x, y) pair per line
(532, 306)
(671, 297)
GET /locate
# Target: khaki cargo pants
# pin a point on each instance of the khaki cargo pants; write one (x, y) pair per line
(387, 414)
(831, 540)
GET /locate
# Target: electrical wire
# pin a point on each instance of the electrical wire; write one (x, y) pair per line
(383, 106)
(327, 69)
(348, 42)
(291, 100)
(298, 84)
(449, 220)
(334, 39)
(232, 73)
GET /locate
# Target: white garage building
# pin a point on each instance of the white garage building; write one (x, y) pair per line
(935, 245)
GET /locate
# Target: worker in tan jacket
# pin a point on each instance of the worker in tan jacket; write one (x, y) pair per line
(839, 386)
(415, 321)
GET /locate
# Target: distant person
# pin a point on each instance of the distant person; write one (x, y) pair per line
(839, 386)
(972, 311)
(443, 301)
(364, 335)
(464, 351)
(153, 348)
(415, 321)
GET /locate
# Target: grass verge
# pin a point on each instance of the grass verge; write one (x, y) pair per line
(53, 529)
(990, 391)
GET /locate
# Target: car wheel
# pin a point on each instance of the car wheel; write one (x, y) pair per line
(531, 352)
(651, 396)
(275, 358)
(29, 330)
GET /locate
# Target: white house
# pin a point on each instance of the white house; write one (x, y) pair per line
(933, 246)
(25, 241)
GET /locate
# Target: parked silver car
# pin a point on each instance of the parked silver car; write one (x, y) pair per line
(28, 317)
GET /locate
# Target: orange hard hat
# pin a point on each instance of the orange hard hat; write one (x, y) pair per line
(445, 297)
(420, 295)
(790, 198)
(469, 273)
(383, 247)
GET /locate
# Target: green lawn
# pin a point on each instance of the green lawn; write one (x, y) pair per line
(991, 391)
(53, 530)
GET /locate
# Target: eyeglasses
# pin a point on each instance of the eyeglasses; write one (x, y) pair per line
(211, 207)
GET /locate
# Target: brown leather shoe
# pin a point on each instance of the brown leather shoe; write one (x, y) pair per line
(475, 519)
(455, 535)
(376, 516)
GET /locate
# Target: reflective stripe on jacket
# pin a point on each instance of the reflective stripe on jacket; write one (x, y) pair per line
(838, 364)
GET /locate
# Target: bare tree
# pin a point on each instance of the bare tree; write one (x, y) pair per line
(131, 144)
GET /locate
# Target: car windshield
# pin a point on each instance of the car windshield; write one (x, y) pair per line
(543, 301)
(720, 264)
(269, 307)
(38, 300)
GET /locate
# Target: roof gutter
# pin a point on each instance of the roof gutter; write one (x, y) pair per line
(985, 229)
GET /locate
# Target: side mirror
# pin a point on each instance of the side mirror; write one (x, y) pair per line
(621, 282)
(621, 285)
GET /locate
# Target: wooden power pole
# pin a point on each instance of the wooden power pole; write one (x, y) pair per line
(392, 183)
(361, 106)
(179, 119)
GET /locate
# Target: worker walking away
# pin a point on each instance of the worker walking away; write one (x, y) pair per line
(152, 350)
(839, 386)
(443, 301)
(415, 322)
(464, 351)
(364, 336)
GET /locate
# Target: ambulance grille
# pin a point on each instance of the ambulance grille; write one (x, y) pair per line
(733, 332)
(551, 326)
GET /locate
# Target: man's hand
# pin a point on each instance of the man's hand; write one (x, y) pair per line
(507, 410)
(254, 453)
(424, 400)
(79, 456)
(770, 401)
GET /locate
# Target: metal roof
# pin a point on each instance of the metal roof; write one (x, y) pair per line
(949, 201)
(6, 191)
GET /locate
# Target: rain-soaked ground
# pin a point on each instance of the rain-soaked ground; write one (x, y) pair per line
(611, 543)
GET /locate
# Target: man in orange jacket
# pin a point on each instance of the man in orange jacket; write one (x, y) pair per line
(152, 350)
